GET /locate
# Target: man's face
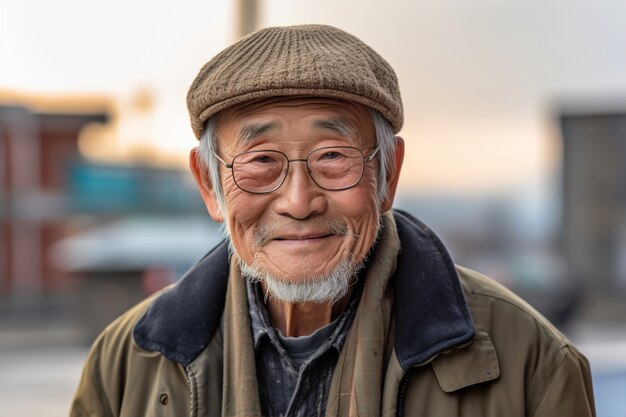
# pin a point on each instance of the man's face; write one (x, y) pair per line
(300, 231)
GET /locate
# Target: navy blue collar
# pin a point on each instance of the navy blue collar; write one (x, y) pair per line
(432, 315)
(430, 309)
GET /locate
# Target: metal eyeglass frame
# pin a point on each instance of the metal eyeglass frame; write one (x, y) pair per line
(305, 160)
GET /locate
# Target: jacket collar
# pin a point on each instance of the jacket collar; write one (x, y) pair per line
(431, 313)
(430, 309)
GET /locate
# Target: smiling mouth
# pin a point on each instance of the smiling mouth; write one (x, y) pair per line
(316, 230)
(303, 239)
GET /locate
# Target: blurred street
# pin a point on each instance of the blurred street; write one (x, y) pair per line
(605, 347)
(39, 381)
(41, 356)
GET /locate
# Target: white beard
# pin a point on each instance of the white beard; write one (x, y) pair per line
(317, 289)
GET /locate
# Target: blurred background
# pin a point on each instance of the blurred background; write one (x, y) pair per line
(515, 130)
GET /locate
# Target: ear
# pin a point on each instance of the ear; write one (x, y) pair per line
(393, 175)
(203, 182)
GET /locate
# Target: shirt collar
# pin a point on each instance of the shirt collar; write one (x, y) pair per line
(260, 323)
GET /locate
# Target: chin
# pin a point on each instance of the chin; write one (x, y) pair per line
(324, 288)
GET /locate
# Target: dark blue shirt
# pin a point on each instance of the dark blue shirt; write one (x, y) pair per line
(294, 373)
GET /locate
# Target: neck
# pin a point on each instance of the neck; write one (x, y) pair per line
(303, 319)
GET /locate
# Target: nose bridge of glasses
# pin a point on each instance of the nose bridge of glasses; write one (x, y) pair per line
(306, 166)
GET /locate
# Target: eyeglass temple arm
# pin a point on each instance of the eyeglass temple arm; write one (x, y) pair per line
(370, 157)
(226, 164)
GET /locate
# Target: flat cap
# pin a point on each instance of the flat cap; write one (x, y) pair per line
(305, 60)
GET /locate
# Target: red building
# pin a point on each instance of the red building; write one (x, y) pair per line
(36, 149)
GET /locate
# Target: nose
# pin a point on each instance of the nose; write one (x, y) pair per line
(299, 197)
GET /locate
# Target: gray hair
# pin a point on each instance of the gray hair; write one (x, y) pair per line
(384, 137)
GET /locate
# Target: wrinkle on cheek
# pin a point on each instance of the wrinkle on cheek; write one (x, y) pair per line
(367, 235)
(242, 242)
(244, 211)
(372, 183)
(230, 190)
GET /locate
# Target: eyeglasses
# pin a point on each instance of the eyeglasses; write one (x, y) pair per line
(331, 168)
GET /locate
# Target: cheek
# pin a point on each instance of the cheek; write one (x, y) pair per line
(360, 211)
(244, 210)
(365, 226)
(364, 201)
(241, 206)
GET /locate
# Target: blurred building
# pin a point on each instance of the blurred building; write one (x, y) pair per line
(593, 228)
(35, 149)
(82, 238)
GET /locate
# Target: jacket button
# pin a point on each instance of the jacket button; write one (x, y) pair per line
(164, 399)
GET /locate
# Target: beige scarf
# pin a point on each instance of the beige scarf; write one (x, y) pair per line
(356, 386)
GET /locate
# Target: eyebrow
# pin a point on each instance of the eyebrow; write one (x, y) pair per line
(254, 130)
(338, 125)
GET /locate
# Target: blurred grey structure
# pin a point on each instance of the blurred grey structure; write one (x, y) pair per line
(247, 17)
(593, 228)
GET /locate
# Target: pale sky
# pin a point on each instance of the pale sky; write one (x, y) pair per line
(480, 79)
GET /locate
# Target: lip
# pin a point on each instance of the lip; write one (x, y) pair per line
(303, 240)
(302, 237)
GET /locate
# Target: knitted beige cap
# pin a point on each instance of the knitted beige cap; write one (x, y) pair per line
(309, 60)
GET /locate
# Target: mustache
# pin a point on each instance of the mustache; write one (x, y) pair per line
(266, 232)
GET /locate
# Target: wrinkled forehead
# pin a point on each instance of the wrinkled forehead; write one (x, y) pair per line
(249, 120)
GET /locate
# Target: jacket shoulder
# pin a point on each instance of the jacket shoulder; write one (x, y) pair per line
(530, 350)
(481, 291)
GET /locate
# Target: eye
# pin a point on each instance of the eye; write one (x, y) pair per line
(263, 159)
(330, 155)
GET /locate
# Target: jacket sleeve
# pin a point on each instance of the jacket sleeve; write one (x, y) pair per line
(90, 399)
(570, 391)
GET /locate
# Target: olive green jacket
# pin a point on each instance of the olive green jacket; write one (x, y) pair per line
(462, 345)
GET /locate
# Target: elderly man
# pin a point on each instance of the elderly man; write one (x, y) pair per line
(322, 301)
